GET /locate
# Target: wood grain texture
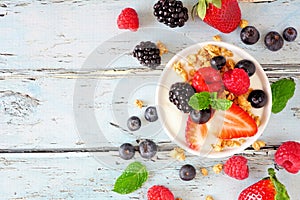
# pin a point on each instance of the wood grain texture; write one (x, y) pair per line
(50, 144)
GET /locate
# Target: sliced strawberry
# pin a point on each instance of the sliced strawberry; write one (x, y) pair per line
(207, 79)
(195, 134)
(237, 123)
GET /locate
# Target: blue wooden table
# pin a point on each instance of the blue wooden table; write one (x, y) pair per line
(65, 73)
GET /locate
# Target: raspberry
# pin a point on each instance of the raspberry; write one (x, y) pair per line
(288, 156)
(159, 192)
(236, 167)
(236, 81)
(207, 79)
(128, 19)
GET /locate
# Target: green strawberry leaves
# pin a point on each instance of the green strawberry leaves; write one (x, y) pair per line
(281, 192)
(282, 91)
(203, 5)
(203, 100)
(131, 179)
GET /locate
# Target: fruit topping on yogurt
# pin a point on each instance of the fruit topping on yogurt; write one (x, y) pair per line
(217, 90)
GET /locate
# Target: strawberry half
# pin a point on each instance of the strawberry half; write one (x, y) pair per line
(266, 189)
(223, 15)
(195, 134)
(237, 123)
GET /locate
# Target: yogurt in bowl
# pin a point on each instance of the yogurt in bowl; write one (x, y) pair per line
(227, 131)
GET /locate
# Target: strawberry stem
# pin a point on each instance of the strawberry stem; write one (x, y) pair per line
(281, 192)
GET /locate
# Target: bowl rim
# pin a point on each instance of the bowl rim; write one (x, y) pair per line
(266, 110)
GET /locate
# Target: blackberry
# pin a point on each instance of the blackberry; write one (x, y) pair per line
(171, 12)
(148, 54)
(180, 94)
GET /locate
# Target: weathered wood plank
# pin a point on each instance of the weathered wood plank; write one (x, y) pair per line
(43, 34)
(46, 113)
(80, 176)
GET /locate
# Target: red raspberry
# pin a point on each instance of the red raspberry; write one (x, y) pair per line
(236, 167)
(236, 81)
(128, 19)
(159, 192)
(207, 79)
(288, 156)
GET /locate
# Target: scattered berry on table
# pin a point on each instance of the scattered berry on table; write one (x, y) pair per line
(126, 151)
(289, 34)
(225, 19)
(195, 134)
(218, 62)
(237, 123)
(273, 41)
(246, 65)
(288, 156)
(187, 172)
(236, 167)
(201, 116)
(257, 98)
(159, 192)
(265, 189)
(128, 19)
(249, 35)
(236, 81)
(147, 148)
(147, 54)
(151, 114)
(171, 12)
(180, 94)
(134, 123)
(207, 79)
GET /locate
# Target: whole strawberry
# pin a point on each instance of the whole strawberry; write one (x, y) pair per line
(266, 189)
(288, 156)
(236, 167)
(128, 19)
(223, 15)
(159, 192)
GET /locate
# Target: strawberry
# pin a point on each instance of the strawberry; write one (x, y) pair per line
(223, 15)
(195, 134)
(237, 123)
(159, 192)
(266, 189)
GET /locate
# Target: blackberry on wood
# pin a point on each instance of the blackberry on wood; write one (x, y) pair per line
(171, 12)
(148, 54)
(180, 94)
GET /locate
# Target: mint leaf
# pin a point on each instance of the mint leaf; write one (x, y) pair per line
(200, 101)
(282, 91)
(221, 104)
(131, 179)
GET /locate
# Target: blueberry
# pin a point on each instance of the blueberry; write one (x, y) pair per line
(200, 116)
(273, 41)
(187, 172)
(218, 62)
(147, 149)
(126, 151)
(134, 123)
(151, 114)
(249, 35)
(246, 65)
(257, 98)
(289, 34)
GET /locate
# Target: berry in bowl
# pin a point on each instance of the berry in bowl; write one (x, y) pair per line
(214, 99)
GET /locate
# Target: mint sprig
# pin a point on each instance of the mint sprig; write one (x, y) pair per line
(131, 179)
(204, 100)
(282, 91)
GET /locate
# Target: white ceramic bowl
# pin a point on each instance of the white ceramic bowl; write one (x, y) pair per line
(174, 121)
